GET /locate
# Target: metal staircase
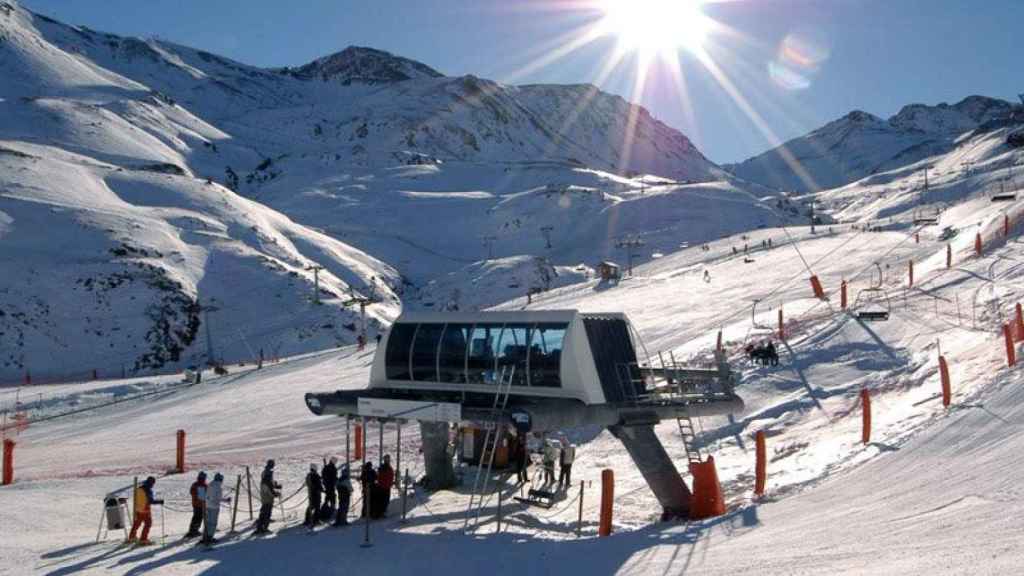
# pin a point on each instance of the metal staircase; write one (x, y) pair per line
(489, 448)
(689, 434)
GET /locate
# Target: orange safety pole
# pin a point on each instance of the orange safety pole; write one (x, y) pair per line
(819, 292)
(180, 461)
(865, 403)
(917, 238)
(1011, 352)
(1006, 225)
(359, 442)
(947, 395)
(842, 295)
(910, 271)
(761, 464)
(706, 500)
(718, 344)
(782, 332)
(607, 498)
(949, 255)
(977, 244)
(1019, 321)
(8, 462)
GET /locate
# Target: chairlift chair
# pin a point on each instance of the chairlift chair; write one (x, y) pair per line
(1003, 195)
(872, 303)
(923, 216)
(757, 332)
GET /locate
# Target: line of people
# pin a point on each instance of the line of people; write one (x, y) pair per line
(562, 452)
(764, 353)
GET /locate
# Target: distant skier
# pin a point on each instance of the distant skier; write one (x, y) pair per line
(214, 496)
(144, 502)
(198, 493)
(566, 457)
(385, 481)
(269, 490)
(330, 477)
(344, 487)
(707, 276)
(377, 338)
(314, 490)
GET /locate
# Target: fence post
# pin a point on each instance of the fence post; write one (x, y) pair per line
(842, 295)
(579, 517)
(1006, 225)
(910, 274)
(949, 256)
(718, 343)
(947, 395)
(1011, 352)
(865, 402)
(248, 489)
(8, 477)
(135, 488)
(180, 460)
(1019, 321)
(607, 499)
(761, 464)
(782, 332)
(238, 496)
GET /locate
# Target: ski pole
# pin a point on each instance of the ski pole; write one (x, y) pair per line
(163, 531)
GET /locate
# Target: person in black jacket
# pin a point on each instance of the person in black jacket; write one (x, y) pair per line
(315, 488)
(368, 480)
(330, 476)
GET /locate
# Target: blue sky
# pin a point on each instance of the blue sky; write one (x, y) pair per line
(872, 55)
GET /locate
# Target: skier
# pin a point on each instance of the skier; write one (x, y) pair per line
(367, 479)
(330, 476)
(385, 481)
(344, 496)
(214, 496)
(550, 454)
(772, 354)
(707, 276)
(566, 457)
(198, 493)
(144, 500)
(522, 461)
(268, 491)
(315, 488)
(377, 338)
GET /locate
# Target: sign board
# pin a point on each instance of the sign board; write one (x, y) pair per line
(410, 410)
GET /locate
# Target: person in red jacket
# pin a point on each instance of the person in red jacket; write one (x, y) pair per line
(385, 481)
(198, 492)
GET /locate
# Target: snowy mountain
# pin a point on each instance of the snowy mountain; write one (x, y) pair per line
(226, 177)
(861, 144)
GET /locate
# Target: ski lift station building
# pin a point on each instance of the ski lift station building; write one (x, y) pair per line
(533, 371)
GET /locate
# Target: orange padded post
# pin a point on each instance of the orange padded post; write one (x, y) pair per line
(819, 292)
(782, 331)
(706, 500)
(359, 442)
(607, 499)
(761, 464)
(842, 295)
(977, 244)
(947, 395)
(180, 460)
(917, 238)
(718, 343)
(910, 274)
(8, 462)
(1011, 352)
(865, 403)
(949, 255)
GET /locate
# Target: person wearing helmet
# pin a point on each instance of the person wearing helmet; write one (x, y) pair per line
(344, 486)
(385, 481)
(198, 493)
(214, 496)
(268, 491)
(330, 477)
(144, 500)
(314, 489)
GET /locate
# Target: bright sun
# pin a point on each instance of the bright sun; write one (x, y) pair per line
(655, 27)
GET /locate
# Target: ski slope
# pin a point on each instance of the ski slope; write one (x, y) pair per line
(934, 491)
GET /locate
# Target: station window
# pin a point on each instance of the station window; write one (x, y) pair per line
(452, 354)
(482, 345)
(512, 350)
(546, 355)
(424, 352)
(396, 358)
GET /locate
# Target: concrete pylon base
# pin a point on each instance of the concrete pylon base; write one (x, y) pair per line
(436, 460)
(659, 471)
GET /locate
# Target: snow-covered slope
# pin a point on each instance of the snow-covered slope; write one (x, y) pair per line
(861, 144)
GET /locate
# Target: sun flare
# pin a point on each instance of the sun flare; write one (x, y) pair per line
(655, 27)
